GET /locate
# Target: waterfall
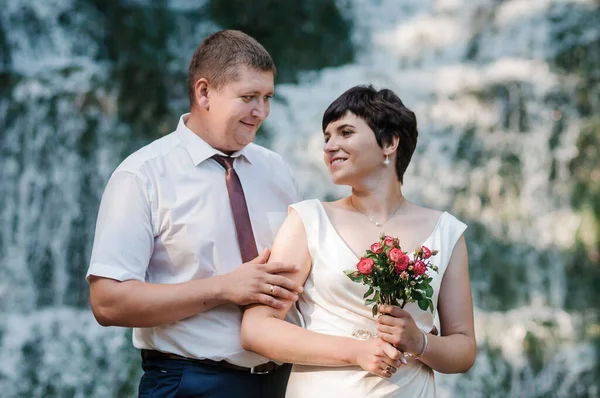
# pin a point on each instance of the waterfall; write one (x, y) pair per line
(507, 96)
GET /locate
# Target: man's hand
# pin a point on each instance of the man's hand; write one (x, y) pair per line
(257, 282)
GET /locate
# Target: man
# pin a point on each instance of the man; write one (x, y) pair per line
(174, 225)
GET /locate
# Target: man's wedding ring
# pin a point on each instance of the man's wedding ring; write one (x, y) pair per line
(271, 290)
(389, 369)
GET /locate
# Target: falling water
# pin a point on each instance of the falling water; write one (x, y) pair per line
(507, 96)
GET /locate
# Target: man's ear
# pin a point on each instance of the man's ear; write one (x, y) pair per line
(201, 93)
(391, 146)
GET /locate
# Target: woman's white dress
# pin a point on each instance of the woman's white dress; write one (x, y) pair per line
(332, 304)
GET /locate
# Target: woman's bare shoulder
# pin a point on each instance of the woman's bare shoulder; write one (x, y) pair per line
(425, 213)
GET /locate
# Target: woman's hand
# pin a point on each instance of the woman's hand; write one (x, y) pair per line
(378, 357)
(398, 328)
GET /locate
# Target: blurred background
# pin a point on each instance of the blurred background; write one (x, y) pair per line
(507, 94)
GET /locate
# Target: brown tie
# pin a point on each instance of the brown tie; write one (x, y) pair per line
(241, 218)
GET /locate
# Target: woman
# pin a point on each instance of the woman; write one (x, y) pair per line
(370, 137)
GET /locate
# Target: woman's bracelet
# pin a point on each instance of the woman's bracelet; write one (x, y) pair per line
(417, 356)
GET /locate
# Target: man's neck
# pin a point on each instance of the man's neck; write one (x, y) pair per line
(194, 123)
(196, 126)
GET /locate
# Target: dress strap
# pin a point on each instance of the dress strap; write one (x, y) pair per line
(308, 210)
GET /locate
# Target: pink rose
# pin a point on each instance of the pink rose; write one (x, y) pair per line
(376, 248)
(404, 275)
(401, 264)
(365, 265)
(420, 267)
(389, 241)
(395, 254)
(426, 252)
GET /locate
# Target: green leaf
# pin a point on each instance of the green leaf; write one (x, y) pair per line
(423, 304)
(369, 292)
(431, 306)
(429, 291)
(374, 310)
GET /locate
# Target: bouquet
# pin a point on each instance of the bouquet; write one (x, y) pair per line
(393, 278)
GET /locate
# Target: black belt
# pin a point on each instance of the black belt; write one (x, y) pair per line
(260, 369)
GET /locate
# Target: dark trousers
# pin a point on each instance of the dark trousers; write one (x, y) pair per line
(173, 378)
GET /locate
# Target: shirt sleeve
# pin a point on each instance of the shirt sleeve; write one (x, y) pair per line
(285, 174)
(294, 183)
(124, 238)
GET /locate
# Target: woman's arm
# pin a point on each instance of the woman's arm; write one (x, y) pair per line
(455, 350)
(265, 331)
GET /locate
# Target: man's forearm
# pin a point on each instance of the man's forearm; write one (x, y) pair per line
(140, 304)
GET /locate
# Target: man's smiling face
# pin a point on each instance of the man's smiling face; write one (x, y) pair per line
(238, 108)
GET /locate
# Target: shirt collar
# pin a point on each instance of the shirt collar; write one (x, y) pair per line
(200, 150)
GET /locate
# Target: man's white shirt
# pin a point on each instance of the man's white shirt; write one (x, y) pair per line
(165, 218)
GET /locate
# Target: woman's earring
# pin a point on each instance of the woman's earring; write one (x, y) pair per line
(387, 160)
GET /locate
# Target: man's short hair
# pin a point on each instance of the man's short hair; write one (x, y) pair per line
(220, 55)
(385, 114)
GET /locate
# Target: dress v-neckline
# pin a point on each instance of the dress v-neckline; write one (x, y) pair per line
(350, 250)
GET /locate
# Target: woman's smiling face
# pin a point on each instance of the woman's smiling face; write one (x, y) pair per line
(351, 151)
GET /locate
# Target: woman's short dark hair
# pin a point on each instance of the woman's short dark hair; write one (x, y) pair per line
(385, 114)
(220, 55)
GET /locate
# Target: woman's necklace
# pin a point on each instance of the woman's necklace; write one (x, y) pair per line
(377, 223)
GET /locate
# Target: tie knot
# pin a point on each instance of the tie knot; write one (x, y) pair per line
(225, 161)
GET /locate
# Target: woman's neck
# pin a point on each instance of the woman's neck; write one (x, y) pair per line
(378, 204)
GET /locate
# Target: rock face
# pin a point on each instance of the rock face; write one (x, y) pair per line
(507, 94)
